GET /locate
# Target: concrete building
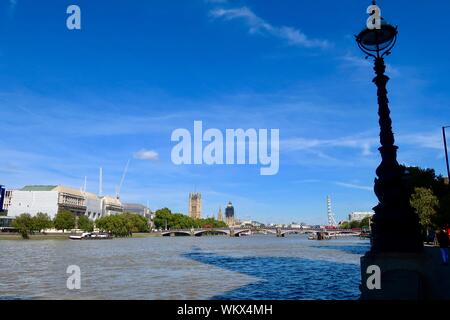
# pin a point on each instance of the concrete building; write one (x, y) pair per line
(359, 215)
(52, 199)
(295, 225)
(138, 209)
(94, 206)
(111, 206)
(7, 200)
(195, 205)
(251, 223)
(46, 199)
(229, 214)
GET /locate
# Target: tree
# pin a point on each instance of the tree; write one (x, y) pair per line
(345, 225)
(365, 223)
(85, 224)
(354, 224)
(425, 203)
(137, 222)
(165, 217)
(123, 225)
(42, 222)
(24, 223)
(64, 220)
(162, 216)
(427, 179)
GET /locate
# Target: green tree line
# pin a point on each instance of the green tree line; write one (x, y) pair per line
(165, 218)
(363, 224)
(119, 225)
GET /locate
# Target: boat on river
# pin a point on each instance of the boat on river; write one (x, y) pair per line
(91, 236)
(320, 235)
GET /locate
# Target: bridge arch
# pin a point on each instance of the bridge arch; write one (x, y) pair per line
(287, 232)
(237, 233)
(215, 231)
(177, 233)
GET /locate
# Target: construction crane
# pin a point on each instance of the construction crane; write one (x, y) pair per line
(119, 187)
(331, 220)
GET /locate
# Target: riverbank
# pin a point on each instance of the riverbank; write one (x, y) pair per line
(60, 236)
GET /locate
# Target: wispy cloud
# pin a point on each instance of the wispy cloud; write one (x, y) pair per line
(353, 186)
(428, 140)
(351, 61)
(144, 154)
(357, 142)
(12, 6)
(349, 185)
(257, 25)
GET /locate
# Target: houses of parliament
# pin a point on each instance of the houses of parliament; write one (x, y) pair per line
(195, 209)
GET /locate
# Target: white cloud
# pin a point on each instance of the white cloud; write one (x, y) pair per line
(363, 143)
(432, 140)
(143, 154)
(359, 62)
(12, 6)
(353, 186)
(258, 25)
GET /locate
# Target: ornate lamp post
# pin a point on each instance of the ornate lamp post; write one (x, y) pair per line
(445, 150)
(395, 226)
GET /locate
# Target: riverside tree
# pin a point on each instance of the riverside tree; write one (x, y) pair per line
(64, 220)
(123, 225)
(426, 204)
(42, 222)
(427, 178)
(24, 223)
(85, 224)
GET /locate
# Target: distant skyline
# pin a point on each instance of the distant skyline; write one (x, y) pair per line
(74, 101)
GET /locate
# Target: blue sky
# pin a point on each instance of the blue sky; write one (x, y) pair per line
(72, 101)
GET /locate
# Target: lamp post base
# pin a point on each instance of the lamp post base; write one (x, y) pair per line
(406, 276)
(401, 276)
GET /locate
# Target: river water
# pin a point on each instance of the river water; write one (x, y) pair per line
(214, 267)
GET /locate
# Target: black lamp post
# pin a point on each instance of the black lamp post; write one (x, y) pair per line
(395, 225)
(445, 150)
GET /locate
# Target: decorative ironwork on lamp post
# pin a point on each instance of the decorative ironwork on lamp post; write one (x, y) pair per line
(395, 225)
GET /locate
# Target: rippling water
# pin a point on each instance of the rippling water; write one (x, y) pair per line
(255, 267)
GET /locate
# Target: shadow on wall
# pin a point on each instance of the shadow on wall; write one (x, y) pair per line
(285, 278)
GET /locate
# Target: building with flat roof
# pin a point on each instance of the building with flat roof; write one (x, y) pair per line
(359, 215)
(137, 208)
(46, 199)
(52, 199)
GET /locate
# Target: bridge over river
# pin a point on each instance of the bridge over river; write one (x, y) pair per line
(237, 232)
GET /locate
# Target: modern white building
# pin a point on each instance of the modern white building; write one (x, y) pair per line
(51, 199)
(137, 209)
(94, 206)
(111, 206)
(46, 199)
(251, 223)
(359, 215)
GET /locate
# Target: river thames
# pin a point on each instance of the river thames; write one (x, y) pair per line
(214, 267)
